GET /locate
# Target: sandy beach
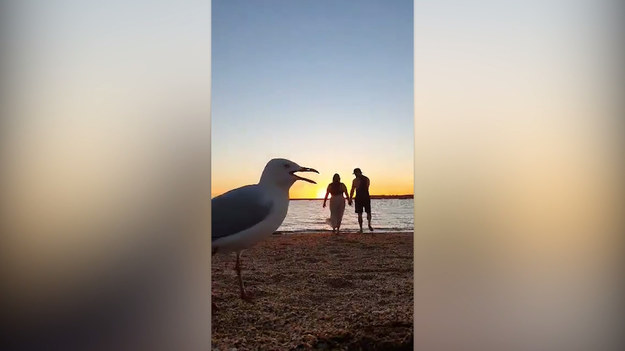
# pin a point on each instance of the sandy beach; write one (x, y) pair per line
(317, 291)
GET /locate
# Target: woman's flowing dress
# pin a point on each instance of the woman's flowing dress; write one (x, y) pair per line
(337, 208)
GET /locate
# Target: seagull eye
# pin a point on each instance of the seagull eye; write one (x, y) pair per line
(286, 165)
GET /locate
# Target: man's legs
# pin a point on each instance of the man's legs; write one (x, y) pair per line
(359, 207)
(368, 210)
(368, 221)
(360, 220)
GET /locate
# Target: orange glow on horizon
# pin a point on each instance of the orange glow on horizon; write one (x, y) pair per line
(321, 193)
(386, 179)
(311, 191)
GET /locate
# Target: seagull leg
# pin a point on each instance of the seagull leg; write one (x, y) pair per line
(237, 267)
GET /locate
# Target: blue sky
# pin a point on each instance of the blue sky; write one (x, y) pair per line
(327, 84)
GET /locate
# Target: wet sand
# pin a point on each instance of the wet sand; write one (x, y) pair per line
(317, 291)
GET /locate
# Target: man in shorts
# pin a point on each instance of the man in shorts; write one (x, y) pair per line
(362, 200)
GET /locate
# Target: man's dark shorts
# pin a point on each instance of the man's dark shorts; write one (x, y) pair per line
(363, 203)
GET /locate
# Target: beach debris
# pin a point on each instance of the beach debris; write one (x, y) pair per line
(310, 314)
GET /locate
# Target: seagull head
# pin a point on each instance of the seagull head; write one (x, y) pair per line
(281, 172)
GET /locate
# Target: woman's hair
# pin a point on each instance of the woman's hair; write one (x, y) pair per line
(336, 178)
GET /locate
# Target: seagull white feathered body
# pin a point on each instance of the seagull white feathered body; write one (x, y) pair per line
(246, 215)
(250, 236)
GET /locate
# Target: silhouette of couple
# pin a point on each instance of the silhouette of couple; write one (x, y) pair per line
(337, 202)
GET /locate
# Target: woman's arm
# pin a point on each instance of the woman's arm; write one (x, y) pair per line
(349, 200)
(326, 198)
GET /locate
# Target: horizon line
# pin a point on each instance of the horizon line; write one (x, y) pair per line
(372, 196)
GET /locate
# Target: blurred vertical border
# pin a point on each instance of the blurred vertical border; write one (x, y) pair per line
(518, 175)
(105, 174)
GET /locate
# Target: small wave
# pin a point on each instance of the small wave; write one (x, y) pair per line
(377, 230)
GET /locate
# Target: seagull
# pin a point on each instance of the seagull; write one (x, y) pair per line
(244, 216)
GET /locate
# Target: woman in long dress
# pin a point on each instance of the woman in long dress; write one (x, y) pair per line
(337, 202)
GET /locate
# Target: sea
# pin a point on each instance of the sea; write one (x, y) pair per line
(387, 215)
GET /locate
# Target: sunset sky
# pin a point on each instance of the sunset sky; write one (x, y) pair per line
(326, 84)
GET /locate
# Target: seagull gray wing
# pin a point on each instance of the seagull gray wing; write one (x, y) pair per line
(237, 210)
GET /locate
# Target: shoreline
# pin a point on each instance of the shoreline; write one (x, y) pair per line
(344, 231)
(317, 290)
(373, 197)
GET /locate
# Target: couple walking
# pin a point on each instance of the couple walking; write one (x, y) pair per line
(337, 202)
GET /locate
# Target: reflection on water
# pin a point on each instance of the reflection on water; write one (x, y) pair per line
(387, 215)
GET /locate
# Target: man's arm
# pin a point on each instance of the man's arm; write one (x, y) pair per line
(351, 192)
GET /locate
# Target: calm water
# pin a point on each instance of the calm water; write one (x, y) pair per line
(387, 215)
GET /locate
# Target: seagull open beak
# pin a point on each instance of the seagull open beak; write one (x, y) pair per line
(304, 169)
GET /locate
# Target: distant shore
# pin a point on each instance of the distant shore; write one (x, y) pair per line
(317, 291)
